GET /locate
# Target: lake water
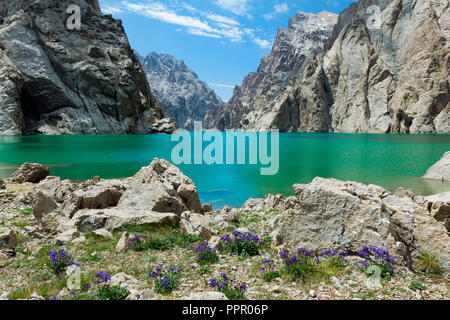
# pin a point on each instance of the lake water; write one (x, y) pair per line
(391, 161)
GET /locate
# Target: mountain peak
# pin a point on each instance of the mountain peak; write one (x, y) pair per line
(183, 96)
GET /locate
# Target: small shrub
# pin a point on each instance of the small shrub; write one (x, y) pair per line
(298, 266)
(417, 286)
(429, 263)
(166, 281)
(246, 244)
(229, 287)
(206, 254)
(162, 243)
(112, 293)
(60, 260)
(20, 293)
(268, 270)
(26, 212)
(380, 258)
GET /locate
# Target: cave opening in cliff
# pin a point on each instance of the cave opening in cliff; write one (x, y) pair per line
(29, 108)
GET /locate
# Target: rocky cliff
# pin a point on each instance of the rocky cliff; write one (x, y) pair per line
(60, 81)
(183, 96)
(305, 35)
(379, 73)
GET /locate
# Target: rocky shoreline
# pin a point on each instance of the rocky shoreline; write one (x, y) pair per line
(125, 233)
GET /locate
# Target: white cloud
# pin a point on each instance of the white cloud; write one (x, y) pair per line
(222, 19)
(264, 44)
(221, 85)
(111, 10)
(239, 7)
(281, 8)
(159, 12)
(277, 9)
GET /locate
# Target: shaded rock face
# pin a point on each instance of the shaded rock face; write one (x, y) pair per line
(60, 81)
(305, 35)
(161, 187)
(183, 96)
(440, 170)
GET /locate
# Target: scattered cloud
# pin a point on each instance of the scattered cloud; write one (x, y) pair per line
(221, 85)
(108, 9)
(277, 9)
(222, 19)
(238, 7)
(194, 21)
(263, 44)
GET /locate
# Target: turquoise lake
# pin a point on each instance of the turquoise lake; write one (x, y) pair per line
(391, 161)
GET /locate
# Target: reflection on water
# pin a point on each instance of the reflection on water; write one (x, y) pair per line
(391, 161)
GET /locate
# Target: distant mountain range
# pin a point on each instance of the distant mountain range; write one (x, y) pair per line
(182, 95)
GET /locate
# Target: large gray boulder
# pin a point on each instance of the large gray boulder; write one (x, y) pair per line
(54, 80)
(348, 215)
(161, 187)
(440, 170)
(115, 219)
(30, 172)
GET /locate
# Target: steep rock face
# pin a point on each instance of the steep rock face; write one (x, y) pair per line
(388, 79)
(256, 97)
(61, 81)
(183, 96)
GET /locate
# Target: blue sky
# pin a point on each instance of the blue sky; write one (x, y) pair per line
(220, 40)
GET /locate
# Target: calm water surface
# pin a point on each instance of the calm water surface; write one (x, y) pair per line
(391, 161)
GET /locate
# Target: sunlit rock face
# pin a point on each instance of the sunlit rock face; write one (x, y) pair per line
(257, 96)
(61, 81)
(183, 96)
(391, 78)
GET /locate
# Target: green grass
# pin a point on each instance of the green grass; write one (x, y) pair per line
(26, 212)
(20, 293)
(161, 238)
(429, 263)
(417, 286)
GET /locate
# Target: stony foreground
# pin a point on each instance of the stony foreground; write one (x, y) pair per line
(119, 231)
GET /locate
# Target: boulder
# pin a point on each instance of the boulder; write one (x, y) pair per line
(43, 204)
(349, 215)
(161, 187)
(439, 207)
(103, 194)
(2, 184)
(440, 170)
(125, 281)
(8, 238)
(142, 295)
(207, 207)
(197, 224)
(104, 234)
(125, 242)
(66, 236)
(30, 172)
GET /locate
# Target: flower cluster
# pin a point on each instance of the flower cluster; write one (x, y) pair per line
(379, 257)
(267, 265)
(102, 277)
(228, 286)
(60, 260)
(206, 254)
(244, 243)
(337, 255)
(166, 280)
(268, 270)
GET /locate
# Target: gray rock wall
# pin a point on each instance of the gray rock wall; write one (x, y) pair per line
(61, 81)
